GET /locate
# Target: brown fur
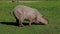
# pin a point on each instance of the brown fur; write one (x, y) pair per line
(23, 12)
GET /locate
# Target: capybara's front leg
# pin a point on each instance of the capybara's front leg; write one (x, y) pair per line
(30, 22)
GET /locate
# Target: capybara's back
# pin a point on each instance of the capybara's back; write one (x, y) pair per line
(24, 12)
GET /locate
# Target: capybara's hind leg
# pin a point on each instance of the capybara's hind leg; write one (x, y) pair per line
(17, 21)
(20, 22)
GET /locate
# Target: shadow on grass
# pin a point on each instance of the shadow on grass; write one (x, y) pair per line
(9, 23)
(16, 24)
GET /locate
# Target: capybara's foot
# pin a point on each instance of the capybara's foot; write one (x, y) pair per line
(21, 25)
(29, 25)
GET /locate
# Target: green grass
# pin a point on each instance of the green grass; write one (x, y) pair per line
(50, 9)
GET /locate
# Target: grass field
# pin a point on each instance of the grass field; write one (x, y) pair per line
(50, 9)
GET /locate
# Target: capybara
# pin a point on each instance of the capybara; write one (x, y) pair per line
(23, 12)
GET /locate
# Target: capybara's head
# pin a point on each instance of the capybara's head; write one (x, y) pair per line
(44, 20)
